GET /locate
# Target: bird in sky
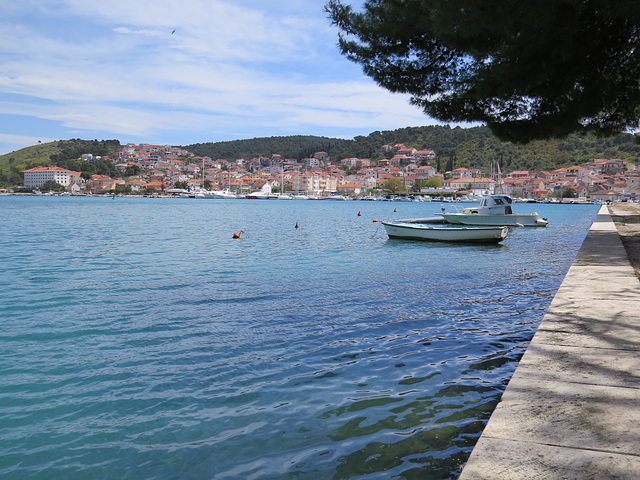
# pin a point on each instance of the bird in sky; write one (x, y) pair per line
(173, 31)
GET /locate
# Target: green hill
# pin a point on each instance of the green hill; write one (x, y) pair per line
(63, 153)
(294, 146)
(455, 147)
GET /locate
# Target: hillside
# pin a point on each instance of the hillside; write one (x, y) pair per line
(64, 153)
(455, 147)
(294, 146)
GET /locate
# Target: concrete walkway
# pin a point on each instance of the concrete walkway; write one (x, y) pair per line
(572, 408)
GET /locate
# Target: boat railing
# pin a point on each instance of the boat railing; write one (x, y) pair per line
(450, 208)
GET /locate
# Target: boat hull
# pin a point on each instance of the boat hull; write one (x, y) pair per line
(512, 220)
(436, 233)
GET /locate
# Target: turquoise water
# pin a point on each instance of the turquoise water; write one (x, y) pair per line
(139, 340)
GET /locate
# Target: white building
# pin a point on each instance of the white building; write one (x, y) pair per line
(35, 177)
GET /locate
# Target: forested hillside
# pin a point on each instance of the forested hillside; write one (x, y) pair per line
(455, 147)
(63, 153)
(295, 146)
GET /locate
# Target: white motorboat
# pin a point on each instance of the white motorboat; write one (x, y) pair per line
(494, 210)
(340, 198)
(444, 233)
(263, 194)
(222, 194)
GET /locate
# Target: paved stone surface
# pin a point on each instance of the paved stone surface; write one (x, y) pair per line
(572, 408)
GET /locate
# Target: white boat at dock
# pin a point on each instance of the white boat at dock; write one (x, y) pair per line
(493, 210)
(222, 194)
(443, 233)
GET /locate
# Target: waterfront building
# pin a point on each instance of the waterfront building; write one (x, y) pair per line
(100, 183)
(34, 177)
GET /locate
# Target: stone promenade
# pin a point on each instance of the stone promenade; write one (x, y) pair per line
(572, 408)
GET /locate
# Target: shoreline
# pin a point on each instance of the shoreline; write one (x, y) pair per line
(626, 218)
(567, 410)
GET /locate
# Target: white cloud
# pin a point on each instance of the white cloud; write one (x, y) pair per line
(113, 68)
(10, 143)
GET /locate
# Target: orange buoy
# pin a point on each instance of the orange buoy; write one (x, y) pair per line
(238, 234)
(395, 209)
(375, 221)
(359, 214)
(297, 226)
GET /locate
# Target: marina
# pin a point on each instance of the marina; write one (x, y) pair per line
(139, 336)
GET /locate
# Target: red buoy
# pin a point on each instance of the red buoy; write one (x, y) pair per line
(359, 214)
(238, 234)
(395, 209)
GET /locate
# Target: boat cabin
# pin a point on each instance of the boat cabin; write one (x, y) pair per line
(492, 205)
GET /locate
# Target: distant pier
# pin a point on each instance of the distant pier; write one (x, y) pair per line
(572, 408)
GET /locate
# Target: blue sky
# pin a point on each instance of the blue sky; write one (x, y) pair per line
(233, 69)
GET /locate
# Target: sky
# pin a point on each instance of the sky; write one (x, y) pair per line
(178, 72)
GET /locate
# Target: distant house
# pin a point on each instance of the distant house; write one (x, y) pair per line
(136, 184)
(480, 186)
(426, 170)
(322, 156)
(352, 189)
(349, 162)
(520, 174)
(460, 173)
(100, 183)
(155, 186)
(425, 154)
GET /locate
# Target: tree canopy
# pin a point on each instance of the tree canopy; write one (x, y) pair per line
(530, 69)
(394, 185)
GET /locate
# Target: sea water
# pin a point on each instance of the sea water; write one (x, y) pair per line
(140, 340)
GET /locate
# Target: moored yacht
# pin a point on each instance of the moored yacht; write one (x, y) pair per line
(494, 210)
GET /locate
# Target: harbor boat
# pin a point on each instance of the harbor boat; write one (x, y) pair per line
(263, 194)
(222, 194)
(440, 233)
(338, 197)
(494, 210)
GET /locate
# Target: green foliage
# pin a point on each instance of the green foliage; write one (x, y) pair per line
(528, 69)
(565, 193)
(132, 170)
(394, 185)
(433, 182)
(295, 146)
(73, 149)
(417, 185)
(63, 153)
(455, 147)
(52, 186)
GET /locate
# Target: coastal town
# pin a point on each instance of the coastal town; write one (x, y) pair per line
(167, 170)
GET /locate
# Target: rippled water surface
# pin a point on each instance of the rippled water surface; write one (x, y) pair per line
(139, 340)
